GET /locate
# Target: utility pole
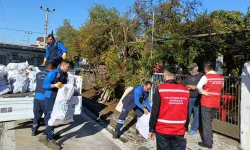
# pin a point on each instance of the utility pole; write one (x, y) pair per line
(23, 42)
(28, 37)
(153, 26)
(47, 10)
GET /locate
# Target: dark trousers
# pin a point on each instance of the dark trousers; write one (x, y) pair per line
(38, 109)
(123, 116)
(193, 106)
(56, 60)
(49, 104)
(207, 115)
(170, 142)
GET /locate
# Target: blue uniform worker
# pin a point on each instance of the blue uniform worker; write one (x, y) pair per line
(39, 98)
(133, 101)
(39, 101)
(55, 51)
(52, 83)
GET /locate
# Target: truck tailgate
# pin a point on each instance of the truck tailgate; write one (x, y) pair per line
(18, 108)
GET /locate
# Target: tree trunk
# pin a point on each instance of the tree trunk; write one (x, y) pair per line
(126, 49)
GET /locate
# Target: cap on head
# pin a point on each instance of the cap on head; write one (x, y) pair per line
(193, 65)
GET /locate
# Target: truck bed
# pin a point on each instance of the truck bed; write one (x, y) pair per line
(28, 94)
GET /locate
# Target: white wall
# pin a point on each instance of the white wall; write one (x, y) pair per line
(245, 107)
(40, 44)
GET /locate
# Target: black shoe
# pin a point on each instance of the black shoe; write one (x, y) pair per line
(56, 136)
(201, 144)
(137, 132)
(34, 133)
(116, 135)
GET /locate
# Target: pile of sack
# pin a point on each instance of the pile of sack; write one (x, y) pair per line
(18, 78)
(4, 87)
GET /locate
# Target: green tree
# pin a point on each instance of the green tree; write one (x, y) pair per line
(70, 38)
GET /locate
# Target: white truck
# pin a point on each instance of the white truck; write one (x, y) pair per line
(20, 106)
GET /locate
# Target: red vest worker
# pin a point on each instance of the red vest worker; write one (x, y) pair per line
(169, 113)
(210, 87)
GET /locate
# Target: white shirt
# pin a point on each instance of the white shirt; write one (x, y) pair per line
(203, 81)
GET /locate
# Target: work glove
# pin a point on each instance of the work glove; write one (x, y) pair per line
(44, 61)
(58, 85)
(64, 56)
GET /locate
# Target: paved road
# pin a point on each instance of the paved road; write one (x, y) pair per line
(84, 133)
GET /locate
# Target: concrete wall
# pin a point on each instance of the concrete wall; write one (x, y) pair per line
(245, 107)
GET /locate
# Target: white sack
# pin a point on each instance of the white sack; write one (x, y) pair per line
(76, 81)
(63, 109)
(142, 125)
(19, 84)
(32, 71)
(3, 72)
(32, 81)
(36, 69)
(16, 73)
(17, 66)
(3, 80)
(71, 78)
(5, 91)
(120, 104)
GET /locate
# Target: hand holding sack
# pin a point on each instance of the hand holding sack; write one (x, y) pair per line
(58, 85)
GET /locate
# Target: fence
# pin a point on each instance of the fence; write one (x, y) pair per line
(227, 118)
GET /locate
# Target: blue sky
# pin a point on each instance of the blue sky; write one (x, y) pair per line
(26, 14)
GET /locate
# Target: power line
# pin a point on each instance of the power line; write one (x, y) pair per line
(193, 36)
(21, 30)
(3, 14)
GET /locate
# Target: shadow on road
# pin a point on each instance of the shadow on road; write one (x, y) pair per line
(83, 129)
(93, 105)
(129, 125)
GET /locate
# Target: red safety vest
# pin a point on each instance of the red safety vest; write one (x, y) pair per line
(214, 87)
(173, 110)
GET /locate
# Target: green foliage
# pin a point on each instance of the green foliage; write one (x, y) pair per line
(70, 38)
(104, 39)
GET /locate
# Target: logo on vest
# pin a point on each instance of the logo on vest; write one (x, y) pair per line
(58, 75)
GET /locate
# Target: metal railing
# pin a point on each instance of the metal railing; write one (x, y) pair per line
(227, 118)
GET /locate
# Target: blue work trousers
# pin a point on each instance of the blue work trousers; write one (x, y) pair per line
(38, 109)
(49, 104)
(123, 116)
